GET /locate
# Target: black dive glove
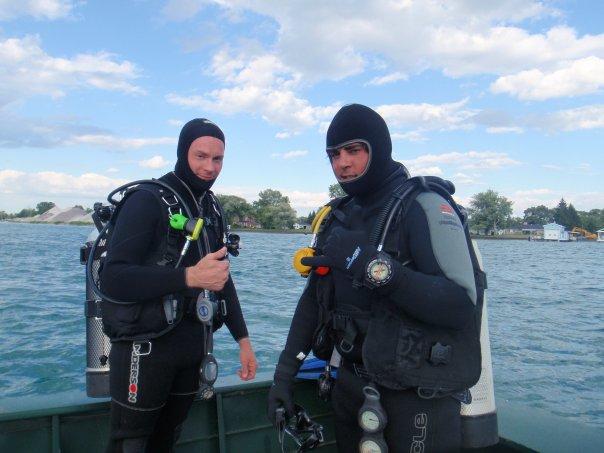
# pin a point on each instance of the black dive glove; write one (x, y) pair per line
(281, 393)
(351, 252)
(346, 250)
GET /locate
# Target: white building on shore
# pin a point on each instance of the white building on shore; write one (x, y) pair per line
(600, 234)
(554, 232)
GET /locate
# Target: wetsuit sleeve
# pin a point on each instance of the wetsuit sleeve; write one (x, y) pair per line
(234, 320)
(438, 287)
(125, 276)
(299, 338)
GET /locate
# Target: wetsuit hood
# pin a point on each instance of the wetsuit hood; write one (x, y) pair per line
(198, 127)
(358, 122)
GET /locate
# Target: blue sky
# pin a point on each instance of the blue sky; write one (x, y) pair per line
(501, 95)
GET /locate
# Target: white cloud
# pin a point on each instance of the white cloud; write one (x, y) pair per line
(49, 183)
(449, 116)
(290, 154)
(154, 162)
(113, 170)
(342, 38)
(468, 160)
(26, 70)
(181, 10)
(464, 179)
(176, 123)
(16, 132)
(505, 130)
(416, 169)
(389, 78)
(580, 118)
(412, 136)
(303, 201)
(552, 167)
(583, 76)
(113, 142)
(260, 84)
(39, 9)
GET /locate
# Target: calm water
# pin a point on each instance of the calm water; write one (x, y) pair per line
(546, 313)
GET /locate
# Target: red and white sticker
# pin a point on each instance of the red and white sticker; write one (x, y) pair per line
(446, 209)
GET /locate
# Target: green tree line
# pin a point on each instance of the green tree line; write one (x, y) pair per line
(41, 208)
(490, 211)
(272, 210)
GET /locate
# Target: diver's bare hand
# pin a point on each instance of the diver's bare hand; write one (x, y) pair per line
(211, 272)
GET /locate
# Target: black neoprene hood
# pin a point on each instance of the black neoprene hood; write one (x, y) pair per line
(359, 122)
(198, 127)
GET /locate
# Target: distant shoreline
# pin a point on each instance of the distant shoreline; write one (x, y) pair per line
(512, 237)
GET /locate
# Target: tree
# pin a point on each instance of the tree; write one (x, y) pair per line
(44, 206)
(311, 217)
(515, 222)
(572, 217)
(26, 212)
(335, 191)
(235, 208)
(273, 210)
(538, 215)
(592, 220)
(561, 213)
(566, 215)
(4, 215)
(489, 211)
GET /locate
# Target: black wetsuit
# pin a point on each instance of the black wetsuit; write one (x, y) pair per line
(423, 291)
(150, 414)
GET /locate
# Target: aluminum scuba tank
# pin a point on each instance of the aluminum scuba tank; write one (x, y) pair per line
(98, 345)
(479, 418)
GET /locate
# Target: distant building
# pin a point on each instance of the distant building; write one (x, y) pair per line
(249, 222)
(301, 226)
(600, 235)
(554, 232)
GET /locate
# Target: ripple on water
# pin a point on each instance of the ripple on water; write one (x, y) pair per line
(546, 312)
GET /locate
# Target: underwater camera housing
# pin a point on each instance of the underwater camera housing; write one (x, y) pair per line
(232, 243)
(305, 433)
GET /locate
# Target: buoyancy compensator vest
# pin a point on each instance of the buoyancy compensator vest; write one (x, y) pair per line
(138, 320)
(399, 351)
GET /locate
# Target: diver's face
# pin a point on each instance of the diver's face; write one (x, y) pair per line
(205, 157)
(349, 161)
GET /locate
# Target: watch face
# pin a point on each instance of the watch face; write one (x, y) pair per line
(379, 270)
(370, 421)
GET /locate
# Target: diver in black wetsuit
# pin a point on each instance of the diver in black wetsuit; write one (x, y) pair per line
(156, 354)
(425, 280)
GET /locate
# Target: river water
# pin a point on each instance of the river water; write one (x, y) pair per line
(545, 301)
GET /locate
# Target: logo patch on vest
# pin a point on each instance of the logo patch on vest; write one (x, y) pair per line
(354, 256)
(446, 209)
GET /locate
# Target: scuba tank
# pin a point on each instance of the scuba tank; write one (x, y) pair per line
(98, 344)
(479, 417)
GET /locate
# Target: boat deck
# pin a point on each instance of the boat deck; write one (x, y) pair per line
(235, 421)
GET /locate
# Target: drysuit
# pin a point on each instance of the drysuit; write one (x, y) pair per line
(154, 362)
(432, 286)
